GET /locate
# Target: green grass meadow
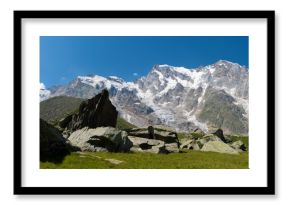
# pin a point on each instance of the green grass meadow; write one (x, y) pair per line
(188, 159)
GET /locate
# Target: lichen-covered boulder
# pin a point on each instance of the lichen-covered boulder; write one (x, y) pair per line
(218, 146)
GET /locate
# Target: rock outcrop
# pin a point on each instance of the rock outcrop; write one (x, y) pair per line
(53, 146)
(106, 139)
(95, 112)
(110, 139)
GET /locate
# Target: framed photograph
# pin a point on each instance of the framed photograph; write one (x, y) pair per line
(144, 102)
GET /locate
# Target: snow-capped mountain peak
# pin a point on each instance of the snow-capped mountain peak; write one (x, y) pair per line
(175, 96)
(43, 92)
(99, 81)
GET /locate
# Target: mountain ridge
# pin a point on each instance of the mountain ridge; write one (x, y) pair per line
(173, 96)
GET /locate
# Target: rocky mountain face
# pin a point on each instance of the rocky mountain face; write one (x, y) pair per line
(95, 112)
(214, 96)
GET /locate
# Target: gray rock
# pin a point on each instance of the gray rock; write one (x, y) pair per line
(159, 134)
(190, 144)
(238, 145)
(196, 146)
(207, 138)
(218, 146)
(172, 147)
(141, 144)
(101, 139)
(146, 145)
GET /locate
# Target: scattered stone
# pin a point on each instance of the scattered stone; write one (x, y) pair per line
(114, 161)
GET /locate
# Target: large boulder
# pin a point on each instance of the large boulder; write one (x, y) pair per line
(155, 140)
(207, 138)
(95, 112)
(218, 146)
(53, 146)
(156, 133)
(190, 144)
(101, 139)
(141, 144)
(239, 146)
(172, 147)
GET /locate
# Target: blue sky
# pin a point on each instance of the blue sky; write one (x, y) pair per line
(62, 58)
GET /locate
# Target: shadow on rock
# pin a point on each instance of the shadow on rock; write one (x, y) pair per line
(53, 146)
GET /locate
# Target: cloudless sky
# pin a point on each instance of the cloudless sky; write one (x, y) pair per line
(62, 58)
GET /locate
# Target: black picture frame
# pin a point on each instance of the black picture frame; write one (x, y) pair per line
(268, 190)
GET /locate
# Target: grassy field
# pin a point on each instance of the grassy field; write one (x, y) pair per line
(189, 159)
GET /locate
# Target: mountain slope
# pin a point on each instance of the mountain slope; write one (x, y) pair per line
(178, 97)
(220, 110)
(58, 107)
